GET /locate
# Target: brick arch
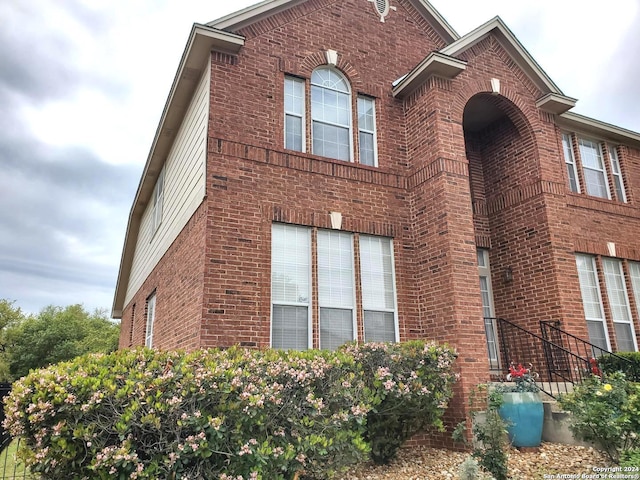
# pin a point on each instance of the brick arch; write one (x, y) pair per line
(519, 112)
(319, 59)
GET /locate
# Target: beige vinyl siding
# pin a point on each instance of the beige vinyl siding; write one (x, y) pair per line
(184, 189)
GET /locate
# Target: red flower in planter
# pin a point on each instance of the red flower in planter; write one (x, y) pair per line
(595, 370)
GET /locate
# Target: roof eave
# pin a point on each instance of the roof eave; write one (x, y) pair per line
(512, 45)
(606, 131)
(555, 104)
(267, 8)
(435, 64)
(202, 40)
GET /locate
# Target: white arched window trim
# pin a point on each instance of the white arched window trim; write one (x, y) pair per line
(331, 114)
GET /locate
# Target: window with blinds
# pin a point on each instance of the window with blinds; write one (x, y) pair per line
(290, 287)
(592, 300)
(337, 296)
(378, 289)
(619, 304)
(336, 289)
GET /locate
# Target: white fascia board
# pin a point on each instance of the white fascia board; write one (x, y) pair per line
(267, 8)
(202, 40)
(439, 23)
(513, 46)
(556, 104)
(435, 64)
(602, 130)
(252, 14)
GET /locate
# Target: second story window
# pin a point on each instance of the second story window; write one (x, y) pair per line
(331, 114)
(157, 201)
(367, 131)
(325, 115)
(595, 174)
(617, 173)
(588, 170)
(572, 171)
(294, 114)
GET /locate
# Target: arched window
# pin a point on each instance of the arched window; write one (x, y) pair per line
(331, 114)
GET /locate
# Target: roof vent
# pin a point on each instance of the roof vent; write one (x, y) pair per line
(382, 8)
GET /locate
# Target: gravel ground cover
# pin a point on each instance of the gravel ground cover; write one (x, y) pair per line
(551, 461)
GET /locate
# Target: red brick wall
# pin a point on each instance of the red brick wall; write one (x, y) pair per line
(178, 283)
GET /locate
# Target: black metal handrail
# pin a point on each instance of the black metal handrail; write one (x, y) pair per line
(558, 365)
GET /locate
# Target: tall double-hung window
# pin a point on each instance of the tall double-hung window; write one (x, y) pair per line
(339, 302)
(592, 301)
(595, 174)
(294, 107)
(619, 304)
(332, 112)
(616, 172)
(290, 287)
(569, 159)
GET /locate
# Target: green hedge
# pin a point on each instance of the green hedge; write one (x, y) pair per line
(611, 364)
(228, 415)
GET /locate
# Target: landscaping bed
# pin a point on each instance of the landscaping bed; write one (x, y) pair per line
(422, 463)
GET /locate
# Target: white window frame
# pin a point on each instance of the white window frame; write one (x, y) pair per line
(375, 307)
(301, 303)
(588, 143)
(570, 161)
(326, 270)
(616, 172)
(362, 100)
(295, 82)
(593, 273)
(484, 272)
(158, 202)
(314, 120)
(634, 274)
(314, 289)
(620, 313)
(151, 319)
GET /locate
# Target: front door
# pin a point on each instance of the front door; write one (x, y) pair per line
(488, 311)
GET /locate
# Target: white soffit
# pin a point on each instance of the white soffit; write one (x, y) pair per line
(601, 130)
(556, 104)
(436, 64)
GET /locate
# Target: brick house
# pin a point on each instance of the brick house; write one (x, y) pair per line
(327, 170)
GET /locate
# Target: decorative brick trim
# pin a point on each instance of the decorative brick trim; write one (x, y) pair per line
(319, 219)
(307, 163)
(220, 58)
(600, 248)
(440, 165)
(523, 193)
(483, 241)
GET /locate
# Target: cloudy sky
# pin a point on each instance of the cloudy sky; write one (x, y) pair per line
(83, 84)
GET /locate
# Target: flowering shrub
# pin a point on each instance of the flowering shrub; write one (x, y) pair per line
(411, 384)
(606, 411)
(229, 415)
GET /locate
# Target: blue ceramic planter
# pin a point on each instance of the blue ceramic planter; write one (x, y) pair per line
(525, 414)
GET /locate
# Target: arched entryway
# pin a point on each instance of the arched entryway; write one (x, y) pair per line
(503, 163)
